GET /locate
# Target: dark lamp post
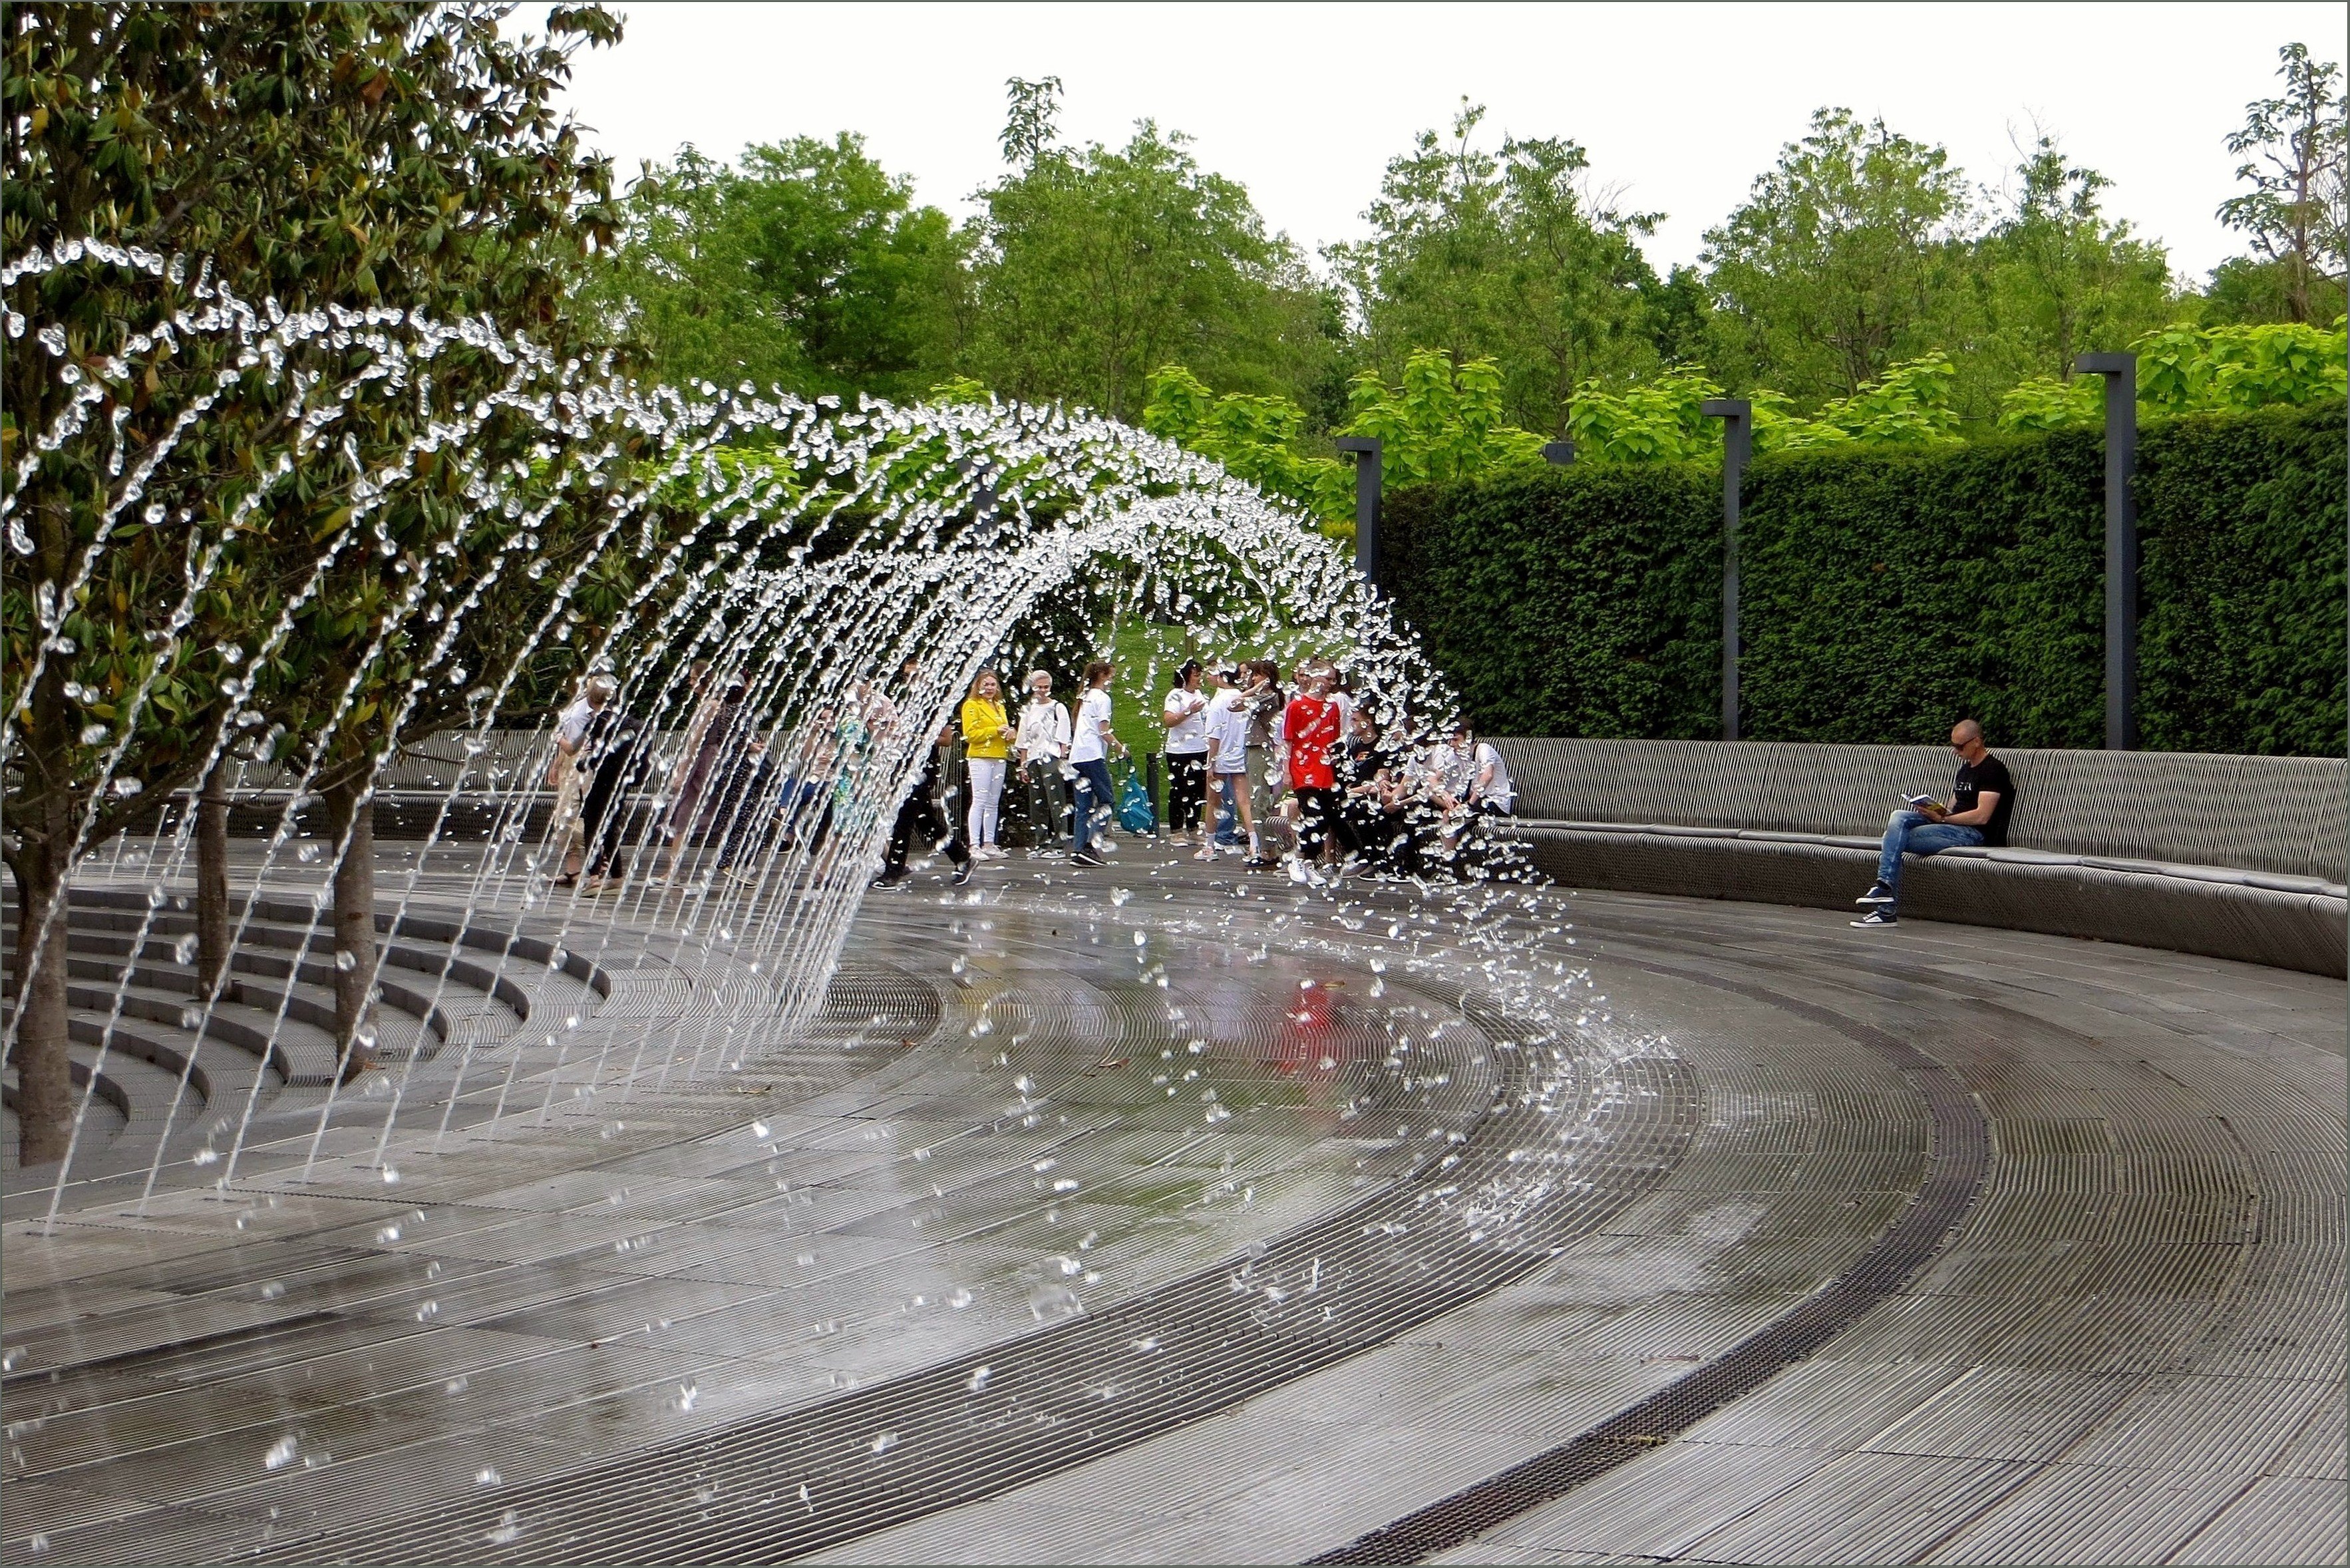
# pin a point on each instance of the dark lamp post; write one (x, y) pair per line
(2120, 371)
(1737, 417)
(1366, 449)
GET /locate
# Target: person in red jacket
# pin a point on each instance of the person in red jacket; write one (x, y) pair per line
(1311, 726)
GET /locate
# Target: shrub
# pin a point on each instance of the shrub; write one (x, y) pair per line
(1886, 589)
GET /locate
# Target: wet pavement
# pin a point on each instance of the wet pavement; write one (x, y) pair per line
(1003, 1268)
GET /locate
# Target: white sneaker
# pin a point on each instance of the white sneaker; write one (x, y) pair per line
(1207, 854)
(1297, 872)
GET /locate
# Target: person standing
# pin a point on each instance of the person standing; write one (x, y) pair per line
(1982, 798)
(1185, 715)
(1228, 768)
(568, 777)
(611, 754)
(1262, 701)
(1089, 750)
(696, 758)
(987, 737)
(918, 816)
(1042, 745)
(1309, 729)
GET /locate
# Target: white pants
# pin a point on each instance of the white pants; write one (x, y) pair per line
(986, 794)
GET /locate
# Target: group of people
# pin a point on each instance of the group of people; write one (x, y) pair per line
(1305, 778)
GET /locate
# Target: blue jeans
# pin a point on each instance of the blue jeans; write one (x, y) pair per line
(1094, 796)
(1228, 808)
(1910, 832)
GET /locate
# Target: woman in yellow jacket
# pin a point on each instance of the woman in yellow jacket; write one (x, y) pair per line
(987, 737)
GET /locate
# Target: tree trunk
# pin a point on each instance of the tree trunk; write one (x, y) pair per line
(212, 877)
(350, 813)
(43, 1072)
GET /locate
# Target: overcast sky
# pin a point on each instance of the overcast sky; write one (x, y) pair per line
(1680, 106)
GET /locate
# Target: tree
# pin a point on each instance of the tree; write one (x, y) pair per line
(1094, 266)
(2052, 278)
(2297, 212)
(1510, 256)
(806, 266)
(312, 155)
(1831, 270)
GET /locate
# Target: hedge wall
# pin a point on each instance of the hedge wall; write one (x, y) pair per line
(1887, 591)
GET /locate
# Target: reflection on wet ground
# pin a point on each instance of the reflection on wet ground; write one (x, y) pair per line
(1170, 1215)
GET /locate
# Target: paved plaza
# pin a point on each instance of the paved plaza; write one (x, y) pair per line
(1136, 1217)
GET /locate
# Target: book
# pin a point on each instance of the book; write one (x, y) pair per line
(1926, 802)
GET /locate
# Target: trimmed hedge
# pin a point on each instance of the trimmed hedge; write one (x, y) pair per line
(1886, 591)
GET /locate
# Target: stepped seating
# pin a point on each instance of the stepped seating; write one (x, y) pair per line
(2237, 857)
(271, 1031)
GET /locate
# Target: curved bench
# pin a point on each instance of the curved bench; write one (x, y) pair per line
(2235, 858)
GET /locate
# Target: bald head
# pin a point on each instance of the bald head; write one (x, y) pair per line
(1966, 738)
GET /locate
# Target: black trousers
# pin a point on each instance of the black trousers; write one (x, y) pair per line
(1187, 790)
(1317, 819)
(920, 814)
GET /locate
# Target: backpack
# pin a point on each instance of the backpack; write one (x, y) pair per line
(1135, 813)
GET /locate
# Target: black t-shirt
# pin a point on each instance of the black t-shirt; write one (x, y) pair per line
(1974, 778)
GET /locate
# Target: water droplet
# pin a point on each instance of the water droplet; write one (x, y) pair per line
(509, 1529)
(488, 1477)
(884, 1441)
(280, 1453)
(979, 1377)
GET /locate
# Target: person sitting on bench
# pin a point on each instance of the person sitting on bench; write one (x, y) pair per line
(1981, 801)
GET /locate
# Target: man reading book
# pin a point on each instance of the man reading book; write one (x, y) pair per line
(1982, 800)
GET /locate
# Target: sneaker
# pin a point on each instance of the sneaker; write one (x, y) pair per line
(1877, 918)
(1207, 854)
(1086, 857)
(962, 871)
(1877, 896)
(888, 879)
(1297, 872)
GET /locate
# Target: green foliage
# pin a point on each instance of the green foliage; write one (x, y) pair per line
(1443, 422)
(1887, 588)
(806, 266)
(2295, 147)
(1091, 268)
(1829, 271)
(1256, 438)
(314, 154)
(1656, 421)
(2052, 277)
(2241, 643)
(1510, 256)
(2183, 370)
(1582, 600)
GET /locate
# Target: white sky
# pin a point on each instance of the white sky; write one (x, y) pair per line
(1680, 106)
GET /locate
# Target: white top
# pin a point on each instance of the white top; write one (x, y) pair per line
(1093, 719)
(1499, 791)
(571, 724)
(1228, 725)
(1448, 770)
(1189, 736)
(1044, 730)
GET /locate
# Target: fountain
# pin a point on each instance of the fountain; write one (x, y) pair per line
(818, 583)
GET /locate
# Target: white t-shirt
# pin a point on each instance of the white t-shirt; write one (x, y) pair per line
(1044, 730)
(1499, 791)
(571, 724)
(1188, 737)
(1228, 725)
(1093, 719)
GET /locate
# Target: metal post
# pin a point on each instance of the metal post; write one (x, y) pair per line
(1150, 777)
(2120, 371)
(1558, 453)
(1367, 475)
(1737, 417)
